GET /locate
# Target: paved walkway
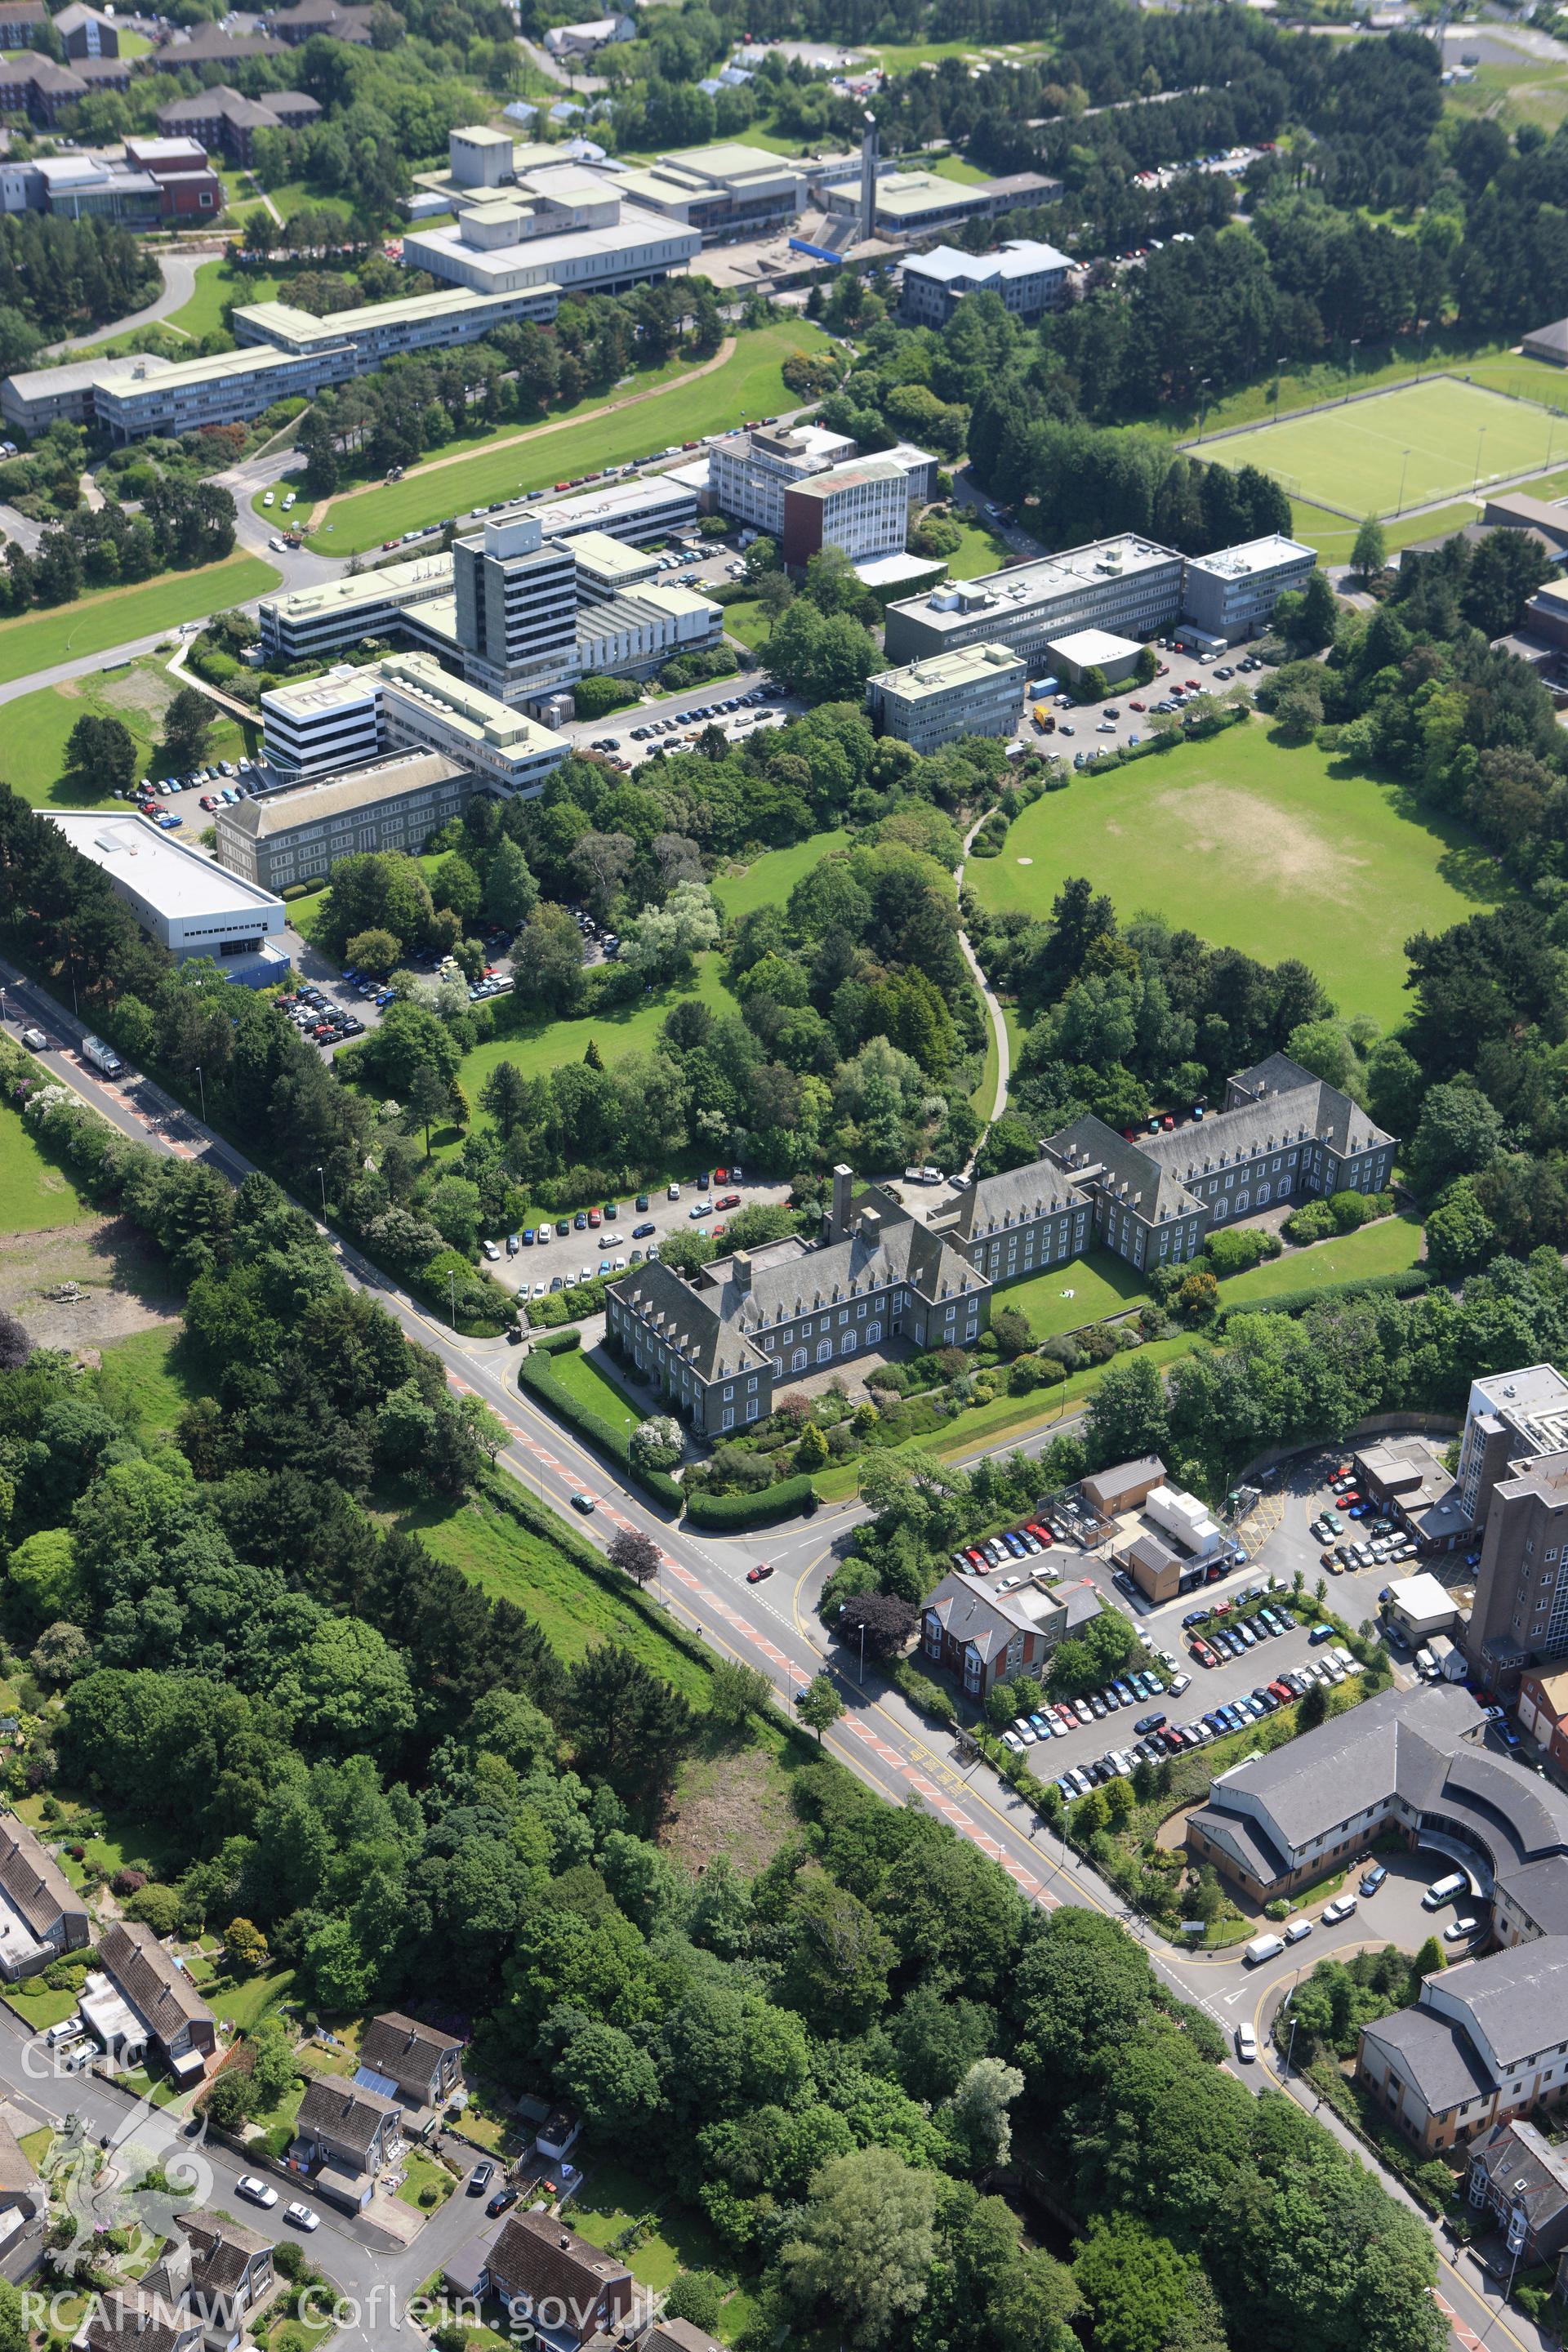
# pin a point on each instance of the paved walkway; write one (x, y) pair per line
(179, 284)
(992, 1008)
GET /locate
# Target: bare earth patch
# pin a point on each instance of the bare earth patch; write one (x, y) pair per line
(1257, 840)
(119, 1273)
(734, 1804)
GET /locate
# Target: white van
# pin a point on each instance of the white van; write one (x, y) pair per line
(1261, 1948)
(1445, 1890)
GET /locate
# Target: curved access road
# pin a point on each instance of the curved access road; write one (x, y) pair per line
(988, 996)
(179, 271)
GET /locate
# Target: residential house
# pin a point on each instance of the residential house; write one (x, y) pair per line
(1486, 2041)
(21, 22)
(409, 2062)
(1543, 1715)
(344, 2135)
(223, 2270)
(339, 24)
(22, 2193)
(41, 1914)
(1516, 2170)
(143, 1996)
(537, 2266)
(86, 33)
(140, 2319)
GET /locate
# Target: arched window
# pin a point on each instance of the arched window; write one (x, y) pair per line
(798, 1361)
(825, 1351)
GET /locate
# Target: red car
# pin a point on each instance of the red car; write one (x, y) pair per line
(1136, 706)
(755, 1575)
(978, 1562)
(594, 1219)
(721, 1175)
(1204, 1655)
(1042, 1535)
(730, 1201)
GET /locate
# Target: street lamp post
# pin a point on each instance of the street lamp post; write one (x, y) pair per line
(202, 1086)
(1403, 463)
(862, 1676)
(1202, 402)
(1356, 346)
(321, 1181)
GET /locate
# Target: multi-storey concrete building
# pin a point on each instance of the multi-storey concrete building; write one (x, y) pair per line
(1231, 595)
(979, 691)
(306, 623)
(861, 507)
(1030, 279)
(922, 203)
(516, 596)
(424, 707)
(323, 724)
(1283, 1135)
(565, 226)
(749, 473)
(298, 834)
(649, 509)
(1513, 1485)
(227, 388)
(380, 331)
(760, 1315)
(37, 396)
(1126, 584)
(725, 192)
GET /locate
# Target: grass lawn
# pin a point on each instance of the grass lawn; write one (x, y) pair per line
(35, 1194)
(147, 1380)
(748, 384)
(981, 550)
(421, 2173)
(1332, 536)
(547, 1044)
(595, 1389)
(1391, 1245)
(116, 615)
(983, 1098)
(216, 284)
(746, 620)
(1277, 852)
(1085, 1290)
(613, 2197)
(245, 2003)
(1529, 91)
(36, 2145)
(768, 881)
(38, 726)
(510, 1563)
(36, 2005)
(1439, 438)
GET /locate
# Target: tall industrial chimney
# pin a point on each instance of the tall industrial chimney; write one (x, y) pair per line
(870, 148)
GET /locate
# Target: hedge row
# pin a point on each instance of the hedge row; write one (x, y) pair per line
(780, 1501)
(558, 1343)
(534, 1373)
(1407, 1284)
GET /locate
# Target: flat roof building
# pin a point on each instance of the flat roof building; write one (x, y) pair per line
(606, 566)
(346, 611)
(724, 192)
(976, 691)
(181, 898)
(1126, 585)
(1084, 649)
(37, 396)
(1232, 593)
(861, 507)
(323, 724)
(424, 706)
(649, 508)
(228, 388)
(298, 834)
(564, 227)
(379, 331)
(748, 472)
(922, 203)
(1031, 278)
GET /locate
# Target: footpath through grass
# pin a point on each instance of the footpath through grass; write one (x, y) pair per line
(1276, 851)
(117, 617)
(749, 384)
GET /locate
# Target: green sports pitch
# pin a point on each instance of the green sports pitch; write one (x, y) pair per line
(1402, 448)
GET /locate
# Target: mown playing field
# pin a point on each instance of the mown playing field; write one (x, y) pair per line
(1402, 447)
(1275, 851)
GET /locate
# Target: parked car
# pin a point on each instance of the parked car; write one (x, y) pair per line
(257, 2192)
(1343, 1908)
(304, 2217)
(1373, 1878)
(481, 2178)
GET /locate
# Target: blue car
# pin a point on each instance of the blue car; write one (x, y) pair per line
(1124, 1692)
(1016, 1547)
(529, 1234)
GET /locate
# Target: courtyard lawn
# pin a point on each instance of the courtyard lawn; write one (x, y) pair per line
(509, 1562)
(1391, 1245)
(745, 620)
(768, 881)
(1085, 1290)
(1276, 851)
(982, 550)
(38, 725)
(117, 616)
(1411, 444)
(35, 1194)
(546, 1044)
(749, 384)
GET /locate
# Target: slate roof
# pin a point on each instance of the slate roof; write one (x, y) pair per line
(537, 2256)
(1516, 1999)
(221, 2250)
(32, 1881)
(1525, 2168)
(207, 45)
(1552, 338)
(348, 2112)
(139, 2319)
(680, 2336)
(17, 2176)
(1039, 1190)
(1438, 2055)
(145, 1974)
(687, 1321)
(1245, 1840)
(975, 1617)
(232, 106)
(1153, 1189)
(402, 2048)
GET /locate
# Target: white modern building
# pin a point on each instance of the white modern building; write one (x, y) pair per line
(1128, 585)
(1030, 279)
(649, 508)
(977, 691)
(322, 725)
(181, 898)
(1232, 594)
(380, 331)
(308, 622)
(564, 226)
(424, 707)
(37, 396)
(227, 388)
(725, 192)
(749, 473)
(633, 634)
(862, 507)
